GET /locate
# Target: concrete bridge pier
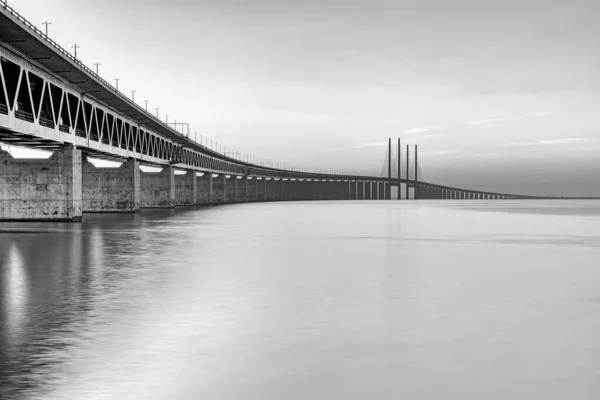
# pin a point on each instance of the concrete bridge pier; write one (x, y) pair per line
(338, 190)
(231, 189)
(303, 189)
(380, 190)
(111, 189)
(344, 189)
(219, 188)
(361, 190)
(326, 189)
(270, 189)
(278, 191)
(332, 190)
(292, 187)
(157, 189)
(241, 194)
(316, 189)
(186, 189)
(261, 189)
(204, 185)
(285, 189)
(251, 188)
(41, 189)
(367, 190)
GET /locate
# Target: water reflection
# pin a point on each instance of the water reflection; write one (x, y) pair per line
(302, 300)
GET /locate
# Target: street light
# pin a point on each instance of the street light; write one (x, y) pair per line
(46, 23)
(75, 46)
(97, 65)
(133, 96)
(146, 101)
(117, 80)
(157, 108)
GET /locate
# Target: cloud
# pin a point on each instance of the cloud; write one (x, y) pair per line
(483, 121)
(413, 131)
(421, 138)
(369, 144)
(515, 144)
(536, 114)
(438, 152)
(359, 146)
(547, 142)
(566, 141)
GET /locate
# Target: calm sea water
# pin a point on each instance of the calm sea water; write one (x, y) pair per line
(306, 300)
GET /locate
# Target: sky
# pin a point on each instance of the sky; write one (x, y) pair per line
(498, 95)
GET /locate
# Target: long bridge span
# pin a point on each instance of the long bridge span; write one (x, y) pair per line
(50, 100)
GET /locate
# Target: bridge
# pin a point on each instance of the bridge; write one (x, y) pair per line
(50, 100)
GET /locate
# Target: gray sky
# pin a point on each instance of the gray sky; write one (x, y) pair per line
(499, 95)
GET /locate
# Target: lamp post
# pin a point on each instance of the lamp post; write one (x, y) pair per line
(157, 108)
(146, 101)
(117, 81)
(133, 96)
(46, 23)
(75, 46)
(97, 65)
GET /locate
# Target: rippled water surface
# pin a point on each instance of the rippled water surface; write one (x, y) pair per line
(306, 300)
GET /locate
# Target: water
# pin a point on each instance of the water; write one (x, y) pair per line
(313, 300)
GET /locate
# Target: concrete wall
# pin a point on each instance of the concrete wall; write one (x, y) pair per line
(186, 189)
(36, 189)
(157, 189)
(111, 189)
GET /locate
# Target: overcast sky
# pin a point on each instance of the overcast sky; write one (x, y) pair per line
(499, 95)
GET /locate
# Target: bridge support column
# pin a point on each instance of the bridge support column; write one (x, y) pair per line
(204, 189)
(219, 189)
(263, 184)
(361, 190)
(157, 189)
(270, 189)
(381, 190)
(342, 190)
(294, 189)
(186, 189)
(353, 188)
(41, 189)
(251, 188)
(242, 189)
(302, 190)
(278, 189)
(284, 190)
(326, 189)
(367, 190)
(230, 192)
(259, 187)
(317, 189)
(111, 189)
